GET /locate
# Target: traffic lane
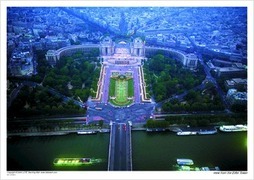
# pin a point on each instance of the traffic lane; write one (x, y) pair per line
(132, 113)
(120, 148)
(123, 147)
(117, 150)
(112, 147)
(128, 148)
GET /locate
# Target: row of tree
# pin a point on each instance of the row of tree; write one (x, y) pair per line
(206, 120)
(198, 120)
(39, 101)
(156, 124)
(196, 101)
(168, 77)
(73, 76)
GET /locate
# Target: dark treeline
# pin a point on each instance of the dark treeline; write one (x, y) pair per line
(38, 101)
(206, 100)
(75, 76)
(198, 120)
(168, 77)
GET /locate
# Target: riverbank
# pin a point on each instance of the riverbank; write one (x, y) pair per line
(66, 132)
(61, 133)
(162, 149)
(55, 133)
(173, 129)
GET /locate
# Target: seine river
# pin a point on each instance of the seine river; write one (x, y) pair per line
(151, 152)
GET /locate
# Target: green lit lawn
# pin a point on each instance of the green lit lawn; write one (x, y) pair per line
(121, 89)
(130, 87)
(112, 86)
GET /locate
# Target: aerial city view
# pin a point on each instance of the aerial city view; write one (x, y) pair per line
(127, 89)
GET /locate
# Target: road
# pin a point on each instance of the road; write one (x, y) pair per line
(13, 95)
(136, 113)
(89, 21)
(120, 148)
(213, 80)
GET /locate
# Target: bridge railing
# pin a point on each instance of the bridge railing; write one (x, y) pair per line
(110, 157)
(130, 150)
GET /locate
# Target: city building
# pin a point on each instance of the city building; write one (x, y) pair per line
(227, 69)
(52, 56)
(235, 97)
(109, 50)
(236, 83)
(138, 47)
(189, 61)
(21, 63)
(233, 72)
(122, 52)
(107, 46)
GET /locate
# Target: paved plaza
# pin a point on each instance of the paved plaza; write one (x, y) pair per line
(120, 62)
(121, 70)
(137, 113)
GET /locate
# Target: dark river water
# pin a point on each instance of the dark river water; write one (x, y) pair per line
(151, 152)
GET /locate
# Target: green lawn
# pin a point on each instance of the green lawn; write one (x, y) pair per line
(121, 89)
(112, 87)
(130, 87)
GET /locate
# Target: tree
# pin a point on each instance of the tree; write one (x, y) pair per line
(193, 123)
(209, 85)
(174, 101)
(157, 63)
(49, 80)
(203, 122)
(64, 70)
(191, 96)
(101, 123)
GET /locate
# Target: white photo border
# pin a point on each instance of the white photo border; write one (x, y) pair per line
(122, 175)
